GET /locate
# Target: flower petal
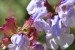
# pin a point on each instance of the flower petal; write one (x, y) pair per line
(51, 43)
(37, 47)
(32, 6)
(38, 24)
(65, 40)
(12, 46)
(70, 16)
(20, 39)
(40, 14)
(68, 2)
(56, 26)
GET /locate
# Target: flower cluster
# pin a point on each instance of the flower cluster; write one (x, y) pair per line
(56, 26)
(19, 38)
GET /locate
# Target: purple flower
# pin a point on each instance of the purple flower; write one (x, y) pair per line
(37, 9)
(64, 40)
(41, 24)
(37, 47)
(59, 35)
(56, 32)
(64, 7)
(68, 2)
(70, 16)
(19, 42)
(34, 6)
(39, 14)
(66, 11)
(56, 26)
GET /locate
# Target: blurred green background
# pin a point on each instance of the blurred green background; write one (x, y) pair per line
(19, 9)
